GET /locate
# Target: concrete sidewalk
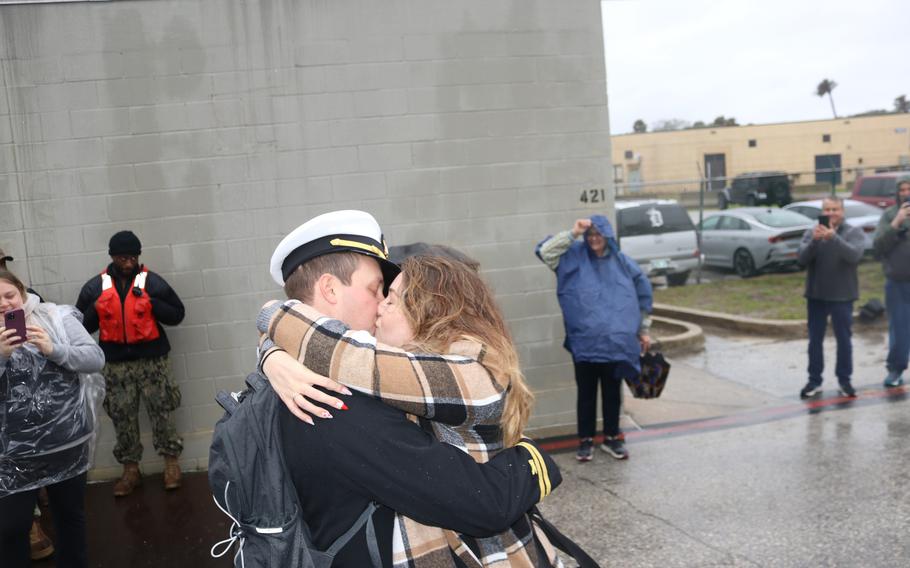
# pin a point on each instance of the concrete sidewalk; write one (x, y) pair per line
(780, 492)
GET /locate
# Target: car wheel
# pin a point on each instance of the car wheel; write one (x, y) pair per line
(722, 202)
(677, 278)
(743, 263)
(750, 201)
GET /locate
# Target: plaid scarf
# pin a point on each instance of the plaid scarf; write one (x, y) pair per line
(453, 395)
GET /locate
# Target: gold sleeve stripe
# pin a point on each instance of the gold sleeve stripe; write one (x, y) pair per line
(542, 470)
(542, 476)
(371, 248)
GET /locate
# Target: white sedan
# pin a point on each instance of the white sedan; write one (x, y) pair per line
(856, 213)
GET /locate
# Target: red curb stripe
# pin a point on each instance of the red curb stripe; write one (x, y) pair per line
(749, 418)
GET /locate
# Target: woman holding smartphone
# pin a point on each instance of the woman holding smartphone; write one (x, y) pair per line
(46, 427)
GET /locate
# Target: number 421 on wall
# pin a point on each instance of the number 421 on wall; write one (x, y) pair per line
(598, 195)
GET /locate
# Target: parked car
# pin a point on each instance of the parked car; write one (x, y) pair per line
(756, 188)
(659, 235)
(752, 239)
(856, 213)
(878, 189)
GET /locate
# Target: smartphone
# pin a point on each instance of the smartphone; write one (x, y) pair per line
(824, 220)
(15, 319)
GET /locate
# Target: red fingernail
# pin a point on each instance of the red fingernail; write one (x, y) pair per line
(344, 406)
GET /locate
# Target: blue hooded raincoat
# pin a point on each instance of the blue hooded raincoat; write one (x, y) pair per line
(602, 299)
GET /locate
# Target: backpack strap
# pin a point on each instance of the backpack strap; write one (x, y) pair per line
(257, 381)
(366, 518)
(229, 401)
(561, 541)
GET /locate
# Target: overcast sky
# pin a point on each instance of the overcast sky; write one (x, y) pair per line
(758, 61)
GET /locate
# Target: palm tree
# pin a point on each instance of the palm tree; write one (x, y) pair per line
(825, 88)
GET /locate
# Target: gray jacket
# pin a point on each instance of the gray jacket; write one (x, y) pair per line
(892, 246)
(832, 264)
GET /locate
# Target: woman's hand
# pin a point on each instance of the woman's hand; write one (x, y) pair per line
(645, 341)
(40, 339)
(295, 384)
(9, 342)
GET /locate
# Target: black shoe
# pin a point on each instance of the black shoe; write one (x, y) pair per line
(616, 447)
(809, 391)
(847, 390)
(585, 450)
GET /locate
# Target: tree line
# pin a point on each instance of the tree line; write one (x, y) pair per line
(825, 87)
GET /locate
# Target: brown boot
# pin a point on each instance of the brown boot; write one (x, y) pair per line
(41, 544)
(130, 480)
(172, 474)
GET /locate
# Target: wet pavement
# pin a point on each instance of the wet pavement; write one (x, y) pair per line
(747, 474)
(728, 468)
(827, 489)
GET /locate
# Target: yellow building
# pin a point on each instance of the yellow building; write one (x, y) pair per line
(819, 151)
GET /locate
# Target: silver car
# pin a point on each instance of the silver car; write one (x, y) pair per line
(856, 213)
(751, 239)
(659, 235)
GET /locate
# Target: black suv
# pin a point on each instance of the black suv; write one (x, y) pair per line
(756, 188)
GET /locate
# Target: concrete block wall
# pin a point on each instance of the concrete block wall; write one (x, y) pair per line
(212, 128)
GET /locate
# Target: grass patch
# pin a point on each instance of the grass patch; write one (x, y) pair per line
(769, 296)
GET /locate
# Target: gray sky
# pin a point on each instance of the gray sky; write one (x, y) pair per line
(758, 61)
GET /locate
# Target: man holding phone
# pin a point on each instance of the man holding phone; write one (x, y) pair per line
(893, 248)
(831, 251)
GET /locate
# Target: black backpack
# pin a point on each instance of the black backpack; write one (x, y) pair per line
(251, 485)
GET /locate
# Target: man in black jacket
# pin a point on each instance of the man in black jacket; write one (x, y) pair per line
(369, 451)
(127, 304)
(831, 252)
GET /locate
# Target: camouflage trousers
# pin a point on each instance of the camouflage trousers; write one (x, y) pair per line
(150, 380)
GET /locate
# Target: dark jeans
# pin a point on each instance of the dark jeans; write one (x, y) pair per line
(842, 321)
(897, 300)
(610, 378)
(67, 501)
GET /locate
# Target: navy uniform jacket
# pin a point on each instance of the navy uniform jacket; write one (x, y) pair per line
(372, 452)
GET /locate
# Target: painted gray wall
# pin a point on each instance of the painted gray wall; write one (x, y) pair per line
(211, 128)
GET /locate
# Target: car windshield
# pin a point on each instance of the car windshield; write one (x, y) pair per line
(653, 220)
(860, 210)
(780, 218)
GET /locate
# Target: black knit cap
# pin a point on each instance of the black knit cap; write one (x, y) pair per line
(124, 242)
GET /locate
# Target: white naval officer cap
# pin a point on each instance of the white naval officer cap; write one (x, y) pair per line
(338, 231)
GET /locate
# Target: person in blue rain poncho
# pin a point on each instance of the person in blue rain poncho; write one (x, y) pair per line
(605, 300)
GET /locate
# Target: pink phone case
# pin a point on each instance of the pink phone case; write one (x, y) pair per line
(15, 319)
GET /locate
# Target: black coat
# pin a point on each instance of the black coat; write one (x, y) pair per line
(372, 452)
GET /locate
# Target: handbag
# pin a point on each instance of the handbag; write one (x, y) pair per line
(561, 541)
(653, 377)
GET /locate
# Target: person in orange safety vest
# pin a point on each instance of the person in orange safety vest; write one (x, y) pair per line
(127, 304)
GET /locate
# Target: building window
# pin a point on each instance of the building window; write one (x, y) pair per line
(826, 137)
(629, 155)
(617, 173)
(753, 143)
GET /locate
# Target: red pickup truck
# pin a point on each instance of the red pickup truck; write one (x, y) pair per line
(878, 189)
